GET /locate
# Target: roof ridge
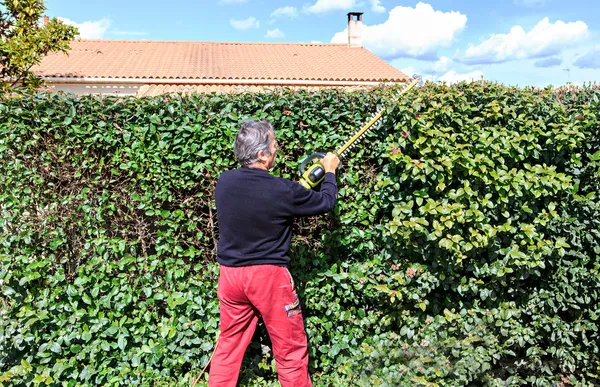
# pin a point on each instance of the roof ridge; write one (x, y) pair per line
(211, 42)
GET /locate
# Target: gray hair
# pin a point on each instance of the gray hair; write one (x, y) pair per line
(252, 137)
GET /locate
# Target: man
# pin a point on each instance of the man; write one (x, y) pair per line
(255, 212)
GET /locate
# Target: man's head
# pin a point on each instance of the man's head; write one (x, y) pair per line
(255, 144)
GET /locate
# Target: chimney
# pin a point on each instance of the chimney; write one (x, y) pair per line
(355, 27)
(46, 20)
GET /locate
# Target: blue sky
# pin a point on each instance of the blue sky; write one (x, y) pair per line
(517, 42)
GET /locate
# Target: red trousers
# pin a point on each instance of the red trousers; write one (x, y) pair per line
(245, 293)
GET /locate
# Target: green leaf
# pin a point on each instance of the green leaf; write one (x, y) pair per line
(122, 342)
(164, 330)
(55, 347)
(206, 347)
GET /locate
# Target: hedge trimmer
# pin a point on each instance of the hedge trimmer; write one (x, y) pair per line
(314, 175)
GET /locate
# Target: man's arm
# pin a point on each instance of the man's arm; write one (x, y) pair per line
(307, 202)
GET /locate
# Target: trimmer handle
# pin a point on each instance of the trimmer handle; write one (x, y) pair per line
(318, 155)
(315, 174)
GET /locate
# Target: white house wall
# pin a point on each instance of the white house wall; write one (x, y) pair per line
(104, 89)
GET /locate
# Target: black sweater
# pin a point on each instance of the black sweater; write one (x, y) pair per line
(255, 212)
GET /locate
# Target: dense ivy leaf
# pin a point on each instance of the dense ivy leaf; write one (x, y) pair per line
(463, 249)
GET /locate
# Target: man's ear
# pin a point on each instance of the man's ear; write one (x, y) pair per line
(262, 156)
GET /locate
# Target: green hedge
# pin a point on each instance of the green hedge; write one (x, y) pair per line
(464, 248)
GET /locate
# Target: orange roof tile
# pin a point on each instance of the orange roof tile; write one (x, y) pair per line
(214, 60)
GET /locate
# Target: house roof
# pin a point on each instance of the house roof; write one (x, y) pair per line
(162, 60)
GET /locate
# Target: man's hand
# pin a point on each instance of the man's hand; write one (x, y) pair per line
(330, 162)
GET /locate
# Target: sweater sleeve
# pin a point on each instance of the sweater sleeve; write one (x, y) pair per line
(307, 202)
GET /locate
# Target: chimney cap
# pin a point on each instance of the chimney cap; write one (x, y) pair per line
(357, 14)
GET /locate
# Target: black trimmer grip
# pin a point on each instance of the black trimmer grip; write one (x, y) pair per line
(318, 155)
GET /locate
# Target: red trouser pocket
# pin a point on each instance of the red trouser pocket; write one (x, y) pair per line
(245, 293)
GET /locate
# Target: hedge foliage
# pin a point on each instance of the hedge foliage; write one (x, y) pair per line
(464, 249)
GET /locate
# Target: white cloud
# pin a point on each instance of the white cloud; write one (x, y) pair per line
(287, 11)
(548, 62)
(274, 34)
(448, 76)
(128, 33)
(531, 3)
(410, 71)
(245, 24)
(545, 39)
(442, 64)
(329, 5)
(591, 60)
(376, 6)
(410, 32)
(89, 29)
(454, 77)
